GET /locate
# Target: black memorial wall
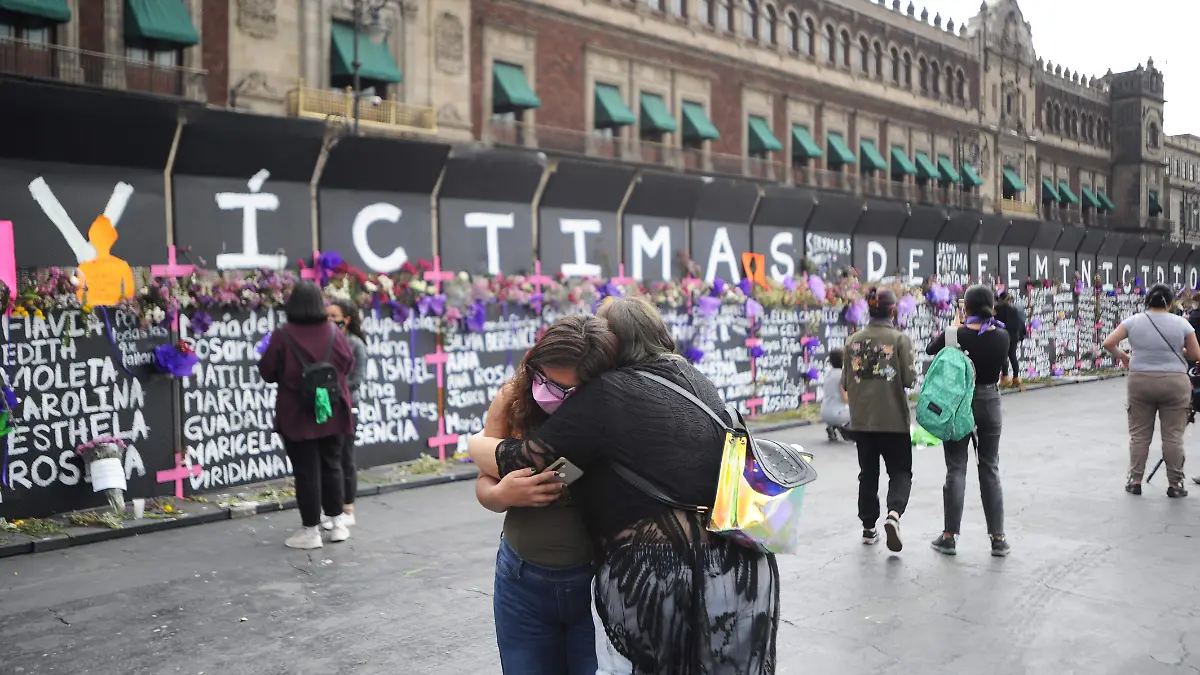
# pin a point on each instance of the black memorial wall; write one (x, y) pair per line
(380, 203)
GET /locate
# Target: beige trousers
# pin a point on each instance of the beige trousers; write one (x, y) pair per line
(1169, 396)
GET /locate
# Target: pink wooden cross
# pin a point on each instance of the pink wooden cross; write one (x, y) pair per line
(313, 273)
(443, 439)
(538, 278)
(178, 474)
(172, 270)
(622, 280)
(8, 261)
(753, 404)
(439, 359)
(752, 342)
(437, 275)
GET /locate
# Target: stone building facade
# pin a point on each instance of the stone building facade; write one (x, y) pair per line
(878, 74)
(182, 51)
(1183, 181)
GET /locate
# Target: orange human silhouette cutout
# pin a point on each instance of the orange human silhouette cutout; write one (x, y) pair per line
(106, 278)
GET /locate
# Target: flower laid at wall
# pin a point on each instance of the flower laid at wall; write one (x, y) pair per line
(176, 359)
(104, 458)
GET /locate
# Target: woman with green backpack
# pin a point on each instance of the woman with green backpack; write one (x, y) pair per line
(985, 342)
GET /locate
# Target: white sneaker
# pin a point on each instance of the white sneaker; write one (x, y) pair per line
(347, 520)
(305, 538)
(339, 532)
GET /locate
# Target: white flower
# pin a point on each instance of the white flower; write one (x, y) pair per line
(418, 286)
(386, 283)
(463, 276)
(371, 288)
(156, 315)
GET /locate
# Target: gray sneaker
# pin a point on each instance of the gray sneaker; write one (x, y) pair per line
(946, 545)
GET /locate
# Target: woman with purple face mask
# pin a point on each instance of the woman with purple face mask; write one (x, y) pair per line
(544, 570)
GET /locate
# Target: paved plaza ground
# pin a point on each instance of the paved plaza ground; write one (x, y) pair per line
(1099, 582)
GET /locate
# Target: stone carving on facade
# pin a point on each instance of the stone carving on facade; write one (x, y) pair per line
(448, 115)
(257, 18)
(254, 85)
(450, 43)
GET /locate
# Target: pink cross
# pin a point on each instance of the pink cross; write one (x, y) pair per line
(313, 273)
(538, 278)
(808, 397)
(178, 474)
(751, 343)
(622, 280)
(691, 283)
(439, 359)
(171, 269)
(443, 439)
(437, 275)
(753, 405)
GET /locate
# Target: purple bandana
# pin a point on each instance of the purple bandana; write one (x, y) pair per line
(984, 324)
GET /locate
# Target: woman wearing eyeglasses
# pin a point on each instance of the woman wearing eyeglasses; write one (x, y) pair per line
(542, 598)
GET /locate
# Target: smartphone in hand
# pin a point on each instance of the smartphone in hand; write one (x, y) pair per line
(570, 472)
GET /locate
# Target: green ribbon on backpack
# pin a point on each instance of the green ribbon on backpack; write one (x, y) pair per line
(323, 408)
(922, 438)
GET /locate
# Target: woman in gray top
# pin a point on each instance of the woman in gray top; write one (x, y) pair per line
(347, 318)
(1158, 384)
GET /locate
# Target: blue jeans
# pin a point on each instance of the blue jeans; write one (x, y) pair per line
(543, 617)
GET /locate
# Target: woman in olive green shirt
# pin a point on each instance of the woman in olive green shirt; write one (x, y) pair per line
(543, 594)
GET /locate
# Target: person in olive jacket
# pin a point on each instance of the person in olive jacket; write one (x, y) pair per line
(314, 449)
(879, 366)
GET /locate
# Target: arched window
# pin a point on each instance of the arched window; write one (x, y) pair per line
(878, 72)
(960, 86)
(1057, 119)
(907, 70)
(827, 52)
(1091, 129)
(1048, 116)
(864, 55)
(949, 83)
(1152, 135)
(936, 75)
(895, 59)
(772, 26)
(923, 74)
(846, 49)
(708, 12)
(678, 8)
(750, 19)
(725, 15)
(793, 32)
(808, 38)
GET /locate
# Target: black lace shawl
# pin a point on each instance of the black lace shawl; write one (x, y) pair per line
(673, 599)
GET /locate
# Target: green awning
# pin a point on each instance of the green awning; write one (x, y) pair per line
(611, 110)
(803, 145)
(1012, 181)
(1156, 209)
(761, 139)
(375, 61)
(1089, 199)
(655, 116)
(1105, 202)
(871, 159)
(925, 168)
(510, 90)
(51, 10)
(696, 125)
(161, 20)
(901, 164)
(949, 175)
(1065, 192)
(839, 152)
(1049, 193)
(969, 175)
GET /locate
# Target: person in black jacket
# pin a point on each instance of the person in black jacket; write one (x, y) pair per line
(1014, 321)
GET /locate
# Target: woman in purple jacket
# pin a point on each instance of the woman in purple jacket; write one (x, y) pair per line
(313, 448)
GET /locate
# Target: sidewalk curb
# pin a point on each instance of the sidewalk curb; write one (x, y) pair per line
(14, 544)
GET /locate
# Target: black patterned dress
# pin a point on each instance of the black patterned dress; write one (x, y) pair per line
(672, 598)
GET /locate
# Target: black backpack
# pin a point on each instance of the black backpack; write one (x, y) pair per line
(318, 375)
